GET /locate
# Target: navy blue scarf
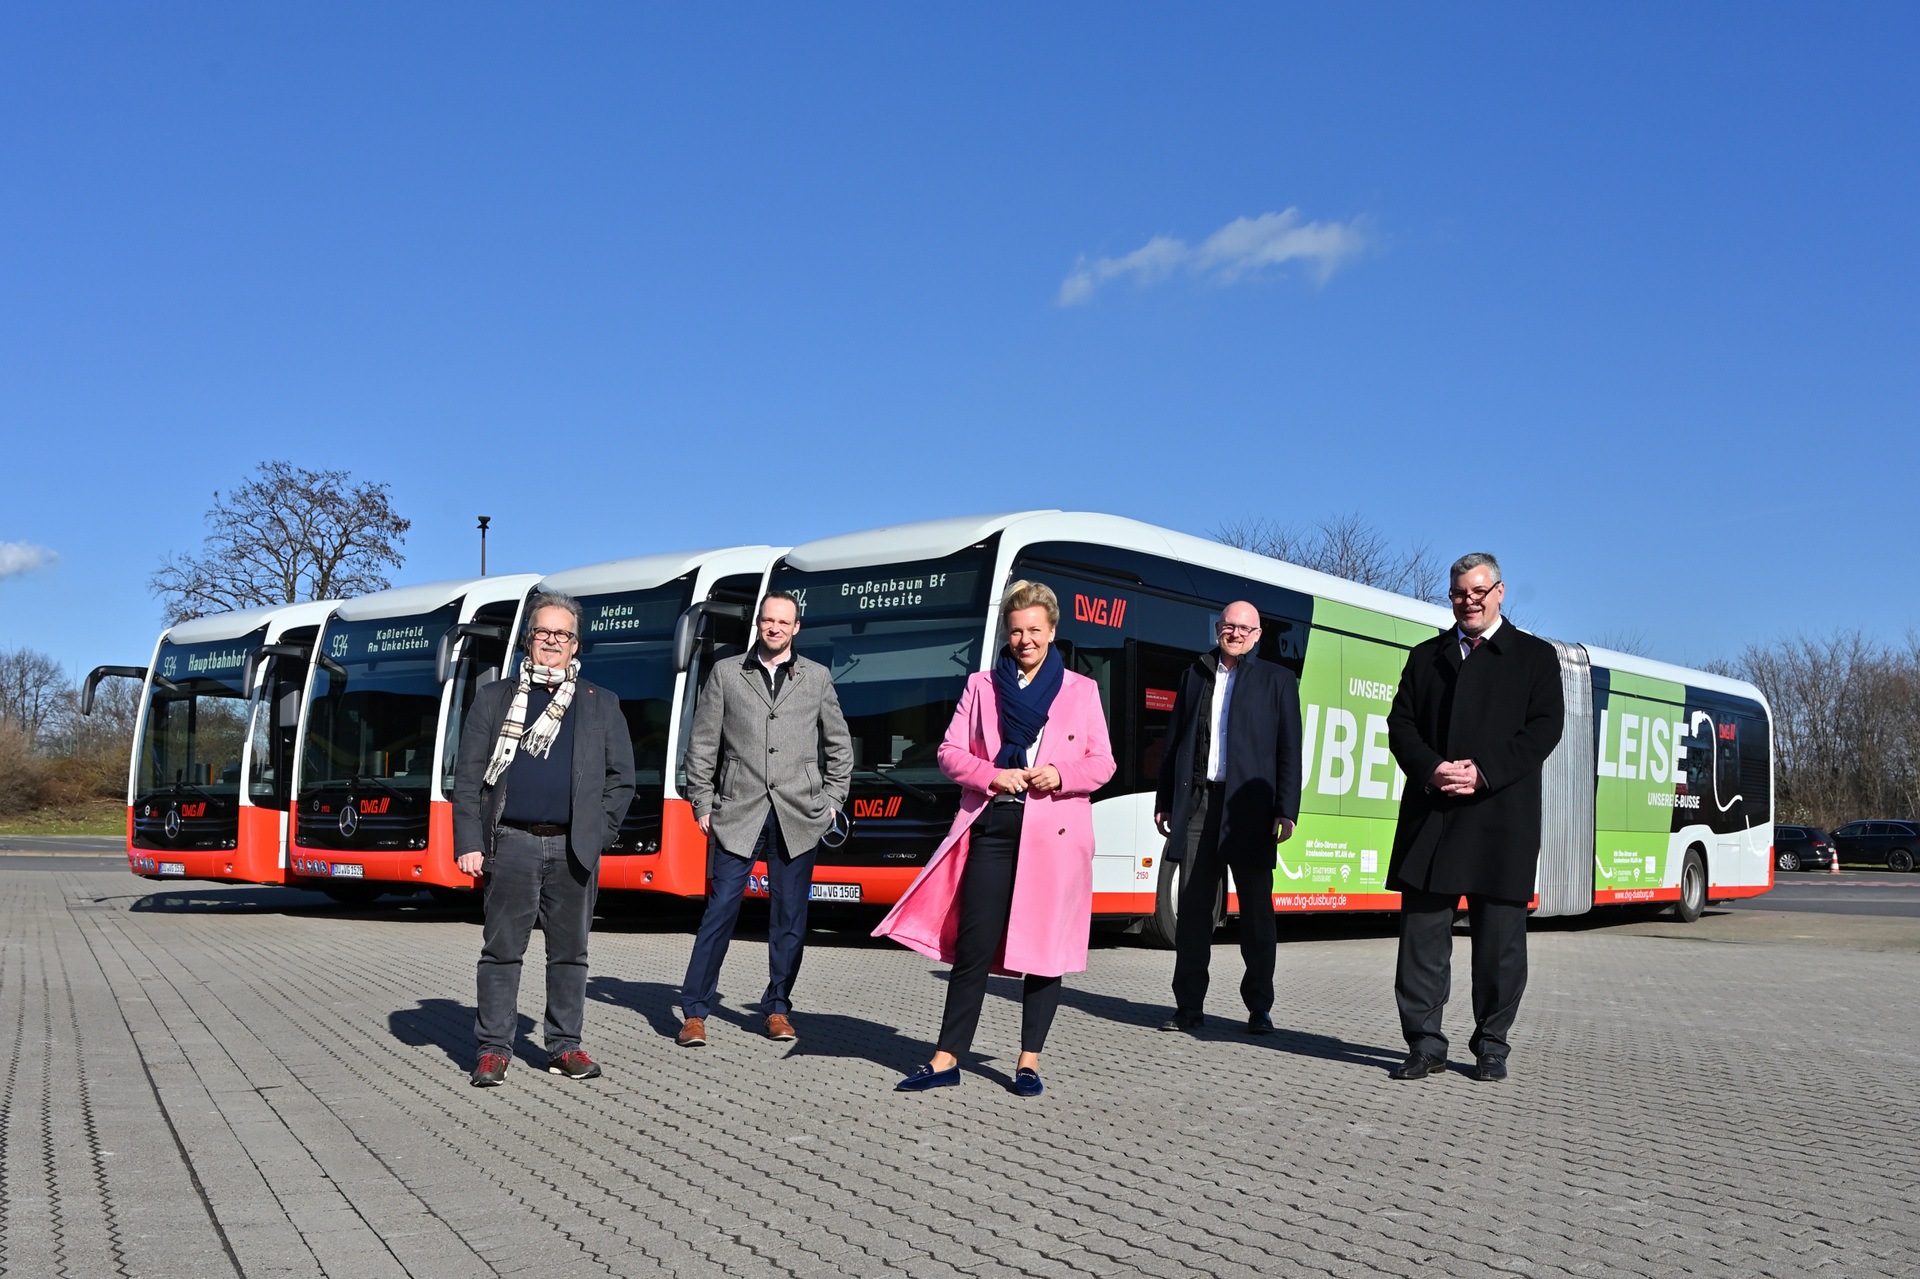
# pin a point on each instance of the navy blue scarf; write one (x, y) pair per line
(1023, 711)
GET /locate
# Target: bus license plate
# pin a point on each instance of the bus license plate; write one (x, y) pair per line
(347, 870)
(835, 893)
(173, 868)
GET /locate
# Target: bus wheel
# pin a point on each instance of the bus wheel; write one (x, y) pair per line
(1162, 928)
(1900, 859)
(1693, 887)
(1787, 860)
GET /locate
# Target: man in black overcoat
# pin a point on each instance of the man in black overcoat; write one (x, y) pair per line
(1229, 793)
(1478, 711)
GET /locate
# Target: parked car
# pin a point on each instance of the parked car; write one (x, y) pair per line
(1895, 844)
(1801, 848)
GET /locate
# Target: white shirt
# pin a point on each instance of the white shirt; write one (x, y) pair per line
(1217, 746)
(1466, 645)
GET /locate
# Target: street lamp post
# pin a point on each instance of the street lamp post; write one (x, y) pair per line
(483, 544)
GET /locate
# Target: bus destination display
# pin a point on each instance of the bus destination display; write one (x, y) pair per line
(906, 590)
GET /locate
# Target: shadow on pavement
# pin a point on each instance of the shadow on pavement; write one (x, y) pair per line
(1148, 1017)
(447, 1024)
(821, 1034)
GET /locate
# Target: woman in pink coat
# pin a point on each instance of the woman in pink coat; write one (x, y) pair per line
(1010, 890)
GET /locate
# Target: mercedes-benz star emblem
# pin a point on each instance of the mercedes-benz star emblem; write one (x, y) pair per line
(349, 819)
(171, 824)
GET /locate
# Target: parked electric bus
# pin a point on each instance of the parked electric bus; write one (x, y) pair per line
(211, 770)
(391, 678)
(1661, 789)
(634, 611)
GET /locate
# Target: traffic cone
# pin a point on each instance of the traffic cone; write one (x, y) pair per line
(1833, 866)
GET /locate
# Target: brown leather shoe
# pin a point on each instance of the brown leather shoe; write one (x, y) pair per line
(780, 1029)
(693, 1034)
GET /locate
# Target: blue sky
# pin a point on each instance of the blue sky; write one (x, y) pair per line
(1624, 293)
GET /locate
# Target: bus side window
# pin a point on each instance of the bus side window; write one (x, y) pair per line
(1755, 774)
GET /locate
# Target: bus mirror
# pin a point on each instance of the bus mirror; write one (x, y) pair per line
(443, 656)
(259, 656)
(448, 652)
(686, 631)
(99, 673)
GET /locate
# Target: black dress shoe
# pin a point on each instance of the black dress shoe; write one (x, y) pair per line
(1489, 1069)
(1184, 1021)
(1418, 1065)
(1259, 1024)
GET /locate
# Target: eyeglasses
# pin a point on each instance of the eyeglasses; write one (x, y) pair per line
(1235, 628)
(546, 636)
(1477, 594)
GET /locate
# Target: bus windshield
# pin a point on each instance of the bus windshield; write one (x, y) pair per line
(196, 721)
(626, 646)
(900, 641)
(375, 704)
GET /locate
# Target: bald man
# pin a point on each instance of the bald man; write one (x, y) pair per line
(1229, 795)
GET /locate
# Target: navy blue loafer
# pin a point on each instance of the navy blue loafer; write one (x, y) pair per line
(1026, 1082)
(927, 1077)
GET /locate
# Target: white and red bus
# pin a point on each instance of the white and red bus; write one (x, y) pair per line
(1661, 790)
(392, 676)
(651, 627)
(211, 773)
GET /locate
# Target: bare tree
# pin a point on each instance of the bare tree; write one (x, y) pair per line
(1344, 546)
(1626, 641)
(1846, 725)
(286, 535)
(31, 688)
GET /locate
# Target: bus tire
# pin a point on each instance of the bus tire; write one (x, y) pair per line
(1693, 887)
(1162, 928)
(1900, 859)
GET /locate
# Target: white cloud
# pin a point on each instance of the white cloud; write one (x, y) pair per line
(23, 557)
(1243, 248)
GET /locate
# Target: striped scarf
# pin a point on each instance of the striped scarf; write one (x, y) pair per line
(538, 739)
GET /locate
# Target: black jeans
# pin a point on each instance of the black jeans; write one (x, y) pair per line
(986, 901)
(1424, 977)
(1201, 870)
(789, 887)
(533, 878)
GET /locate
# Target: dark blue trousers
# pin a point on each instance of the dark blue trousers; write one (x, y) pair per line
(789, 887)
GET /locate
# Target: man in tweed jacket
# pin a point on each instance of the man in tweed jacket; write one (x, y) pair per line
(755, 780)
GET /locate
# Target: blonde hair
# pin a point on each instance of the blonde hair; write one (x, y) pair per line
(1025, 594)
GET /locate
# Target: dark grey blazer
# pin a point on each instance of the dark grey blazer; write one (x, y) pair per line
(602, 771)
(747, 753)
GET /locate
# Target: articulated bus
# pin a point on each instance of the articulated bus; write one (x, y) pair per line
(212, 768)
(391, 678)
(1660, 791)
(651, 628)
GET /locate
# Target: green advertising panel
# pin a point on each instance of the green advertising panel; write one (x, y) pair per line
(1641, 754)
(1350, 792)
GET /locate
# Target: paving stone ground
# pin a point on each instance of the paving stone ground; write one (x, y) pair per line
(211, 1081)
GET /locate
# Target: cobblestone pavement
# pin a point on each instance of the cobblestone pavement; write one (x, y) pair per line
(212, 1081)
